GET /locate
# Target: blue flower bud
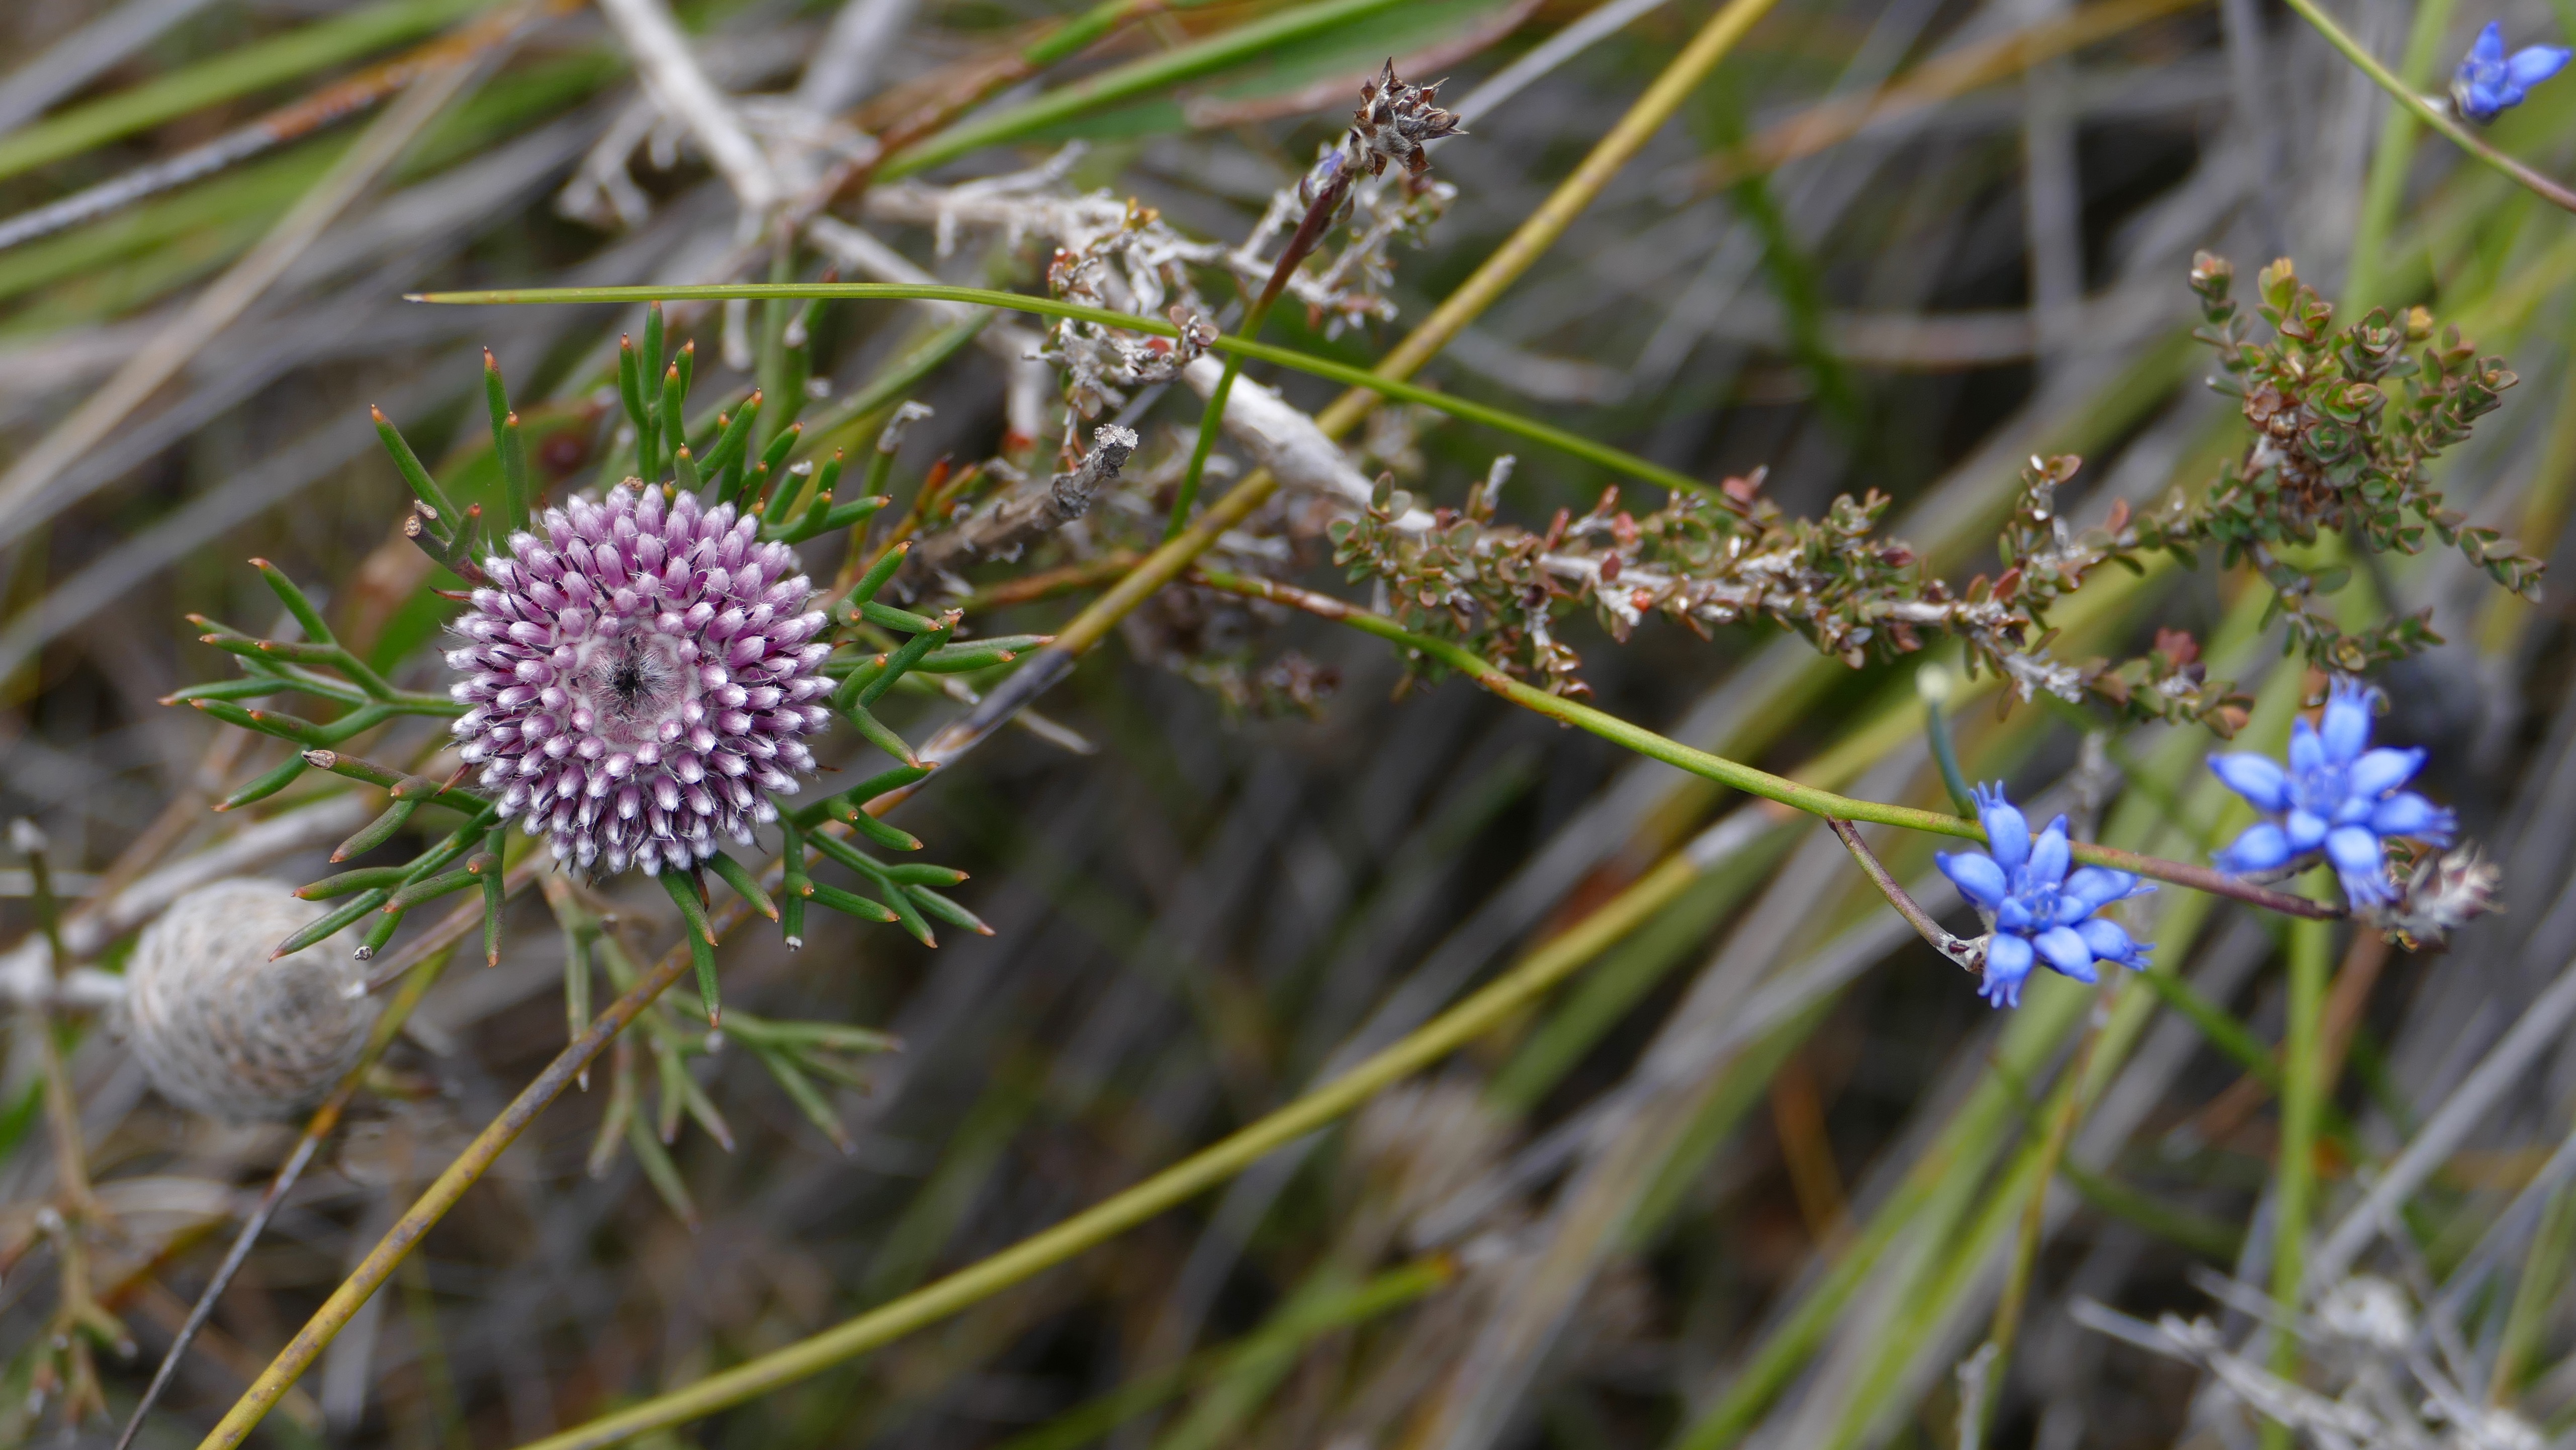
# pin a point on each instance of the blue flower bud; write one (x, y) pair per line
(2489, 82)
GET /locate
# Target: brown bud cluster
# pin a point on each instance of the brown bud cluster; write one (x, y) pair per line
(1395, 121)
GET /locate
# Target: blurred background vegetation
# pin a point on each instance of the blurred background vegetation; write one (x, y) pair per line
(1898, 245)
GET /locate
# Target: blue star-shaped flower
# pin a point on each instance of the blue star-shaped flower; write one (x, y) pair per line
(2338, 796)
(2489, 82)
(2038, 911)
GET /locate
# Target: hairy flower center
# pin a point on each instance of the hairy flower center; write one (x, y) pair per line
(629, 688)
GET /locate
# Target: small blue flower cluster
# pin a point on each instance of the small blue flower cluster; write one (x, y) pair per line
(2489, 82)
(2039, 913)
(2338, 797)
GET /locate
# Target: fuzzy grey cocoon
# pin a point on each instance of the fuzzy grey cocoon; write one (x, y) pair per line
(224, 1030)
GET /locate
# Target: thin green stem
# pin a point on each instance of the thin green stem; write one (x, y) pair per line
(1933, 683)
(1237, 347)
(1749, 779)
(2534, 1295)
(1211, 422)
(2431, 112)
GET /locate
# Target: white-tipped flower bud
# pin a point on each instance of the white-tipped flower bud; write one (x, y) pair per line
(228, 1032)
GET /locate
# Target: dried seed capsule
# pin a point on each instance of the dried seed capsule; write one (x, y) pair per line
(228, 1032)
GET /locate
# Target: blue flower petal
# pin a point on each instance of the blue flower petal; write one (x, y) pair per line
(1979, 878)
(2014, 915)
(2048, 856)
(2007, 832)
(2346, 731)
(2111, 944)
(2305, 829)
(2354, 850)
(2262, 848)
(2360, 867)
(2008, 960)
(2097, 887)
(2063, 948)
(2307, 753)
(2255, 777)
(2409, 814)
(2535, 63)
(2488, 48)
(2380, 771)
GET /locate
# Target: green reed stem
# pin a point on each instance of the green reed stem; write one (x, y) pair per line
(2295, 1172)
(2006, 1328)
(2389, 165)
(1237, 347)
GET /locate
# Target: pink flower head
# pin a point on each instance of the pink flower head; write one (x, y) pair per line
(636, 679)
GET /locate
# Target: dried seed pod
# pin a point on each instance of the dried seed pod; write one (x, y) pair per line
(228, 1032)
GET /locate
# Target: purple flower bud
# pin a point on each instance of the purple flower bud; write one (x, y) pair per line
(610, 692)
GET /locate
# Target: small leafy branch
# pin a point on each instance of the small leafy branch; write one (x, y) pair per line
(2345, 423)
(1853, 593)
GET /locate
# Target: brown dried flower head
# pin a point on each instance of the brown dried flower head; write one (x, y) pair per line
(2443, 894)
(1396, 120)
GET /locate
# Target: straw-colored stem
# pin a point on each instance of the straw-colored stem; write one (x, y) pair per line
(442, 1195)
(1498, 1004)
(428, 958)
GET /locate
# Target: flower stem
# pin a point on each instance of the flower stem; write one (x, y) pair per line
(1964, 953)
(1500, 1002)
(1746, 778)
(2430, 112)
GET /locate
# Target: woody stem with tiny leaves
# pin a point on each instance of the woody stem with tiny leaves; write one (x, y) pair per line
(1749, 779)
